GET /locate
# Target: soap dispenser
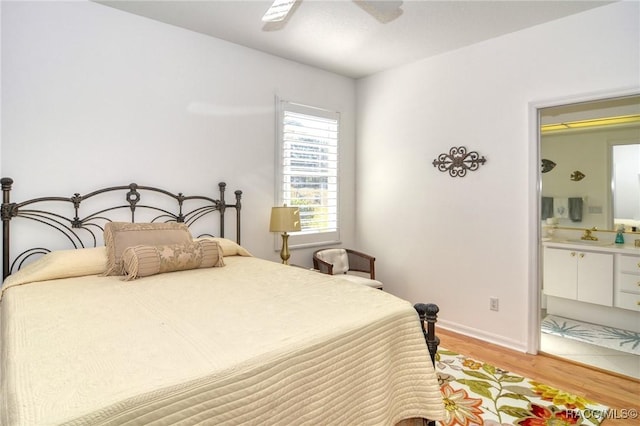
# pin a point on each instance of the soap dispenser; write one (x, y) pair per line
(619, 234)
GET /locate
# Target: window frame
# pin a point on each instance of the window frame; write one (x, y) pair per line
(304, 239)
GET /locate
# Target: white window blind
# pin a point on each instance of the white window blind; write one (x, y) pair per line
(308, 166)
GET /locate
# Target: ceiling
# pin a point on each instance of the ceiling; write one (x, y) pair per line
(341, 37)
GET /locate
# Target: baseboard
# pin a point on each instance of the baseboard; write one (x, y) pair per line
(482, 335)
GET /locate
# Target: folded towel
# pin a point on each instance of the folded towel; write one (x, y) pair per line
(575, 209)
(561, 207)
(546, 207)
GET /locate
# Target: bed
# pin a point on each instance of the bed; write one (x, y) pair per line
(240, 341)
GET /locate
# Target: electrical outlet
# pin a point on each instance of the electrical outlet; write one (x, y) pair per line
(494, 304)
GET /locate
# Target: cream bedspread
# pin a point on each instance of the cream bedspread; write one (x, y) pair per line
(253, 342)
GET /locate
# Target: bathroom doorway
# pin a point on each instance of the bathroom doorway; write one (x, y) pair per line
(576, 143)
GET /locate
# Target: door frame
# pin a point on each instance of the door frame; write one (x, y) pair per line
(535, 192)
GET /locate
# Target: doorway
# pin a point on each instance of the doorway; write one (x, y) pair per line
(580, 141)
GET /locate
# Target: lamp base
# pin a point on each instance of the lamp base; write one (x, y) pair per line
(284, 252)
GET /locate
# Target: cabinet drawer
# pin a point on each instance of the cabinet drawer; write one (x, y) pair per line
(628, 301)
(630, 264)
(630, 283)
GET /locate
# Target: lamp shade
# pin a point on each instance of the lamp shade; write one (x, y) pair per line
(285, 219)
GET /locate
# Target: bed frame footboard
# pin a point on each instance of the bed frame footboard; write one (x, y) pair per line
(428, 313)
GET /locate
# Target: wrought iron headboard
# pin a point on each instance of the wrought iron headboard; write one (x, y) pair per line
(81, 230)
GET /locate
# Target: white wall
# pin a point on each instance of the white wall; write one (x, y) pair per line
(94, 96)
(458, 241)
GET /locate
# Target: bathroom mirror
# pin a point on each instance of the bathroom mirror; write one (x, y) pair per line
(590, 171)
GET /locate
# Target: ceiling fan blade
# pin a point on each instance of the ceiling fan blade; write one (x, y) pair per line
(278, 10)
(383, 10)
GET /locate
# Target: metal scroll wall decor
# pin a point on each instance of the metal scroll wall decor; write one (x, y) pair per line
(458, 161)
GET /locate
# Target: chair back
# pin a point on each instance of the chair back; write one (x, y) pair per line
(337, 257)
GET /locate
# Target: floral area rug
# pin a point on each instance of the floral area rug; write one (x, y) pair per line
(477, 393)
(608, 337)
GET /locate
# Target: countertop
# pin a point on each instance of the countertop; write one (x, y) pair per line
(601, 245)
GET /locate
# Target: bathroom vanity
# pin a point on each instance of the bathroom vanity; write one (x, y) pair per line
(593, 281)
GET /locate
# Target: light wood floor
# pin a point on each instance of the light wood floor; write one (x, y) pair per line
(617, 392)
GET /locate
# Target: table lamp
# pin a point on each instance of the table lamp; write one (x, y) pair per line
(285, 219)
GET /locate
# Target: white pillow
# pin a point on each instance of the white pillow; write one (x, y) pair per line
(61, 264)
(229, 247)
(337, 257)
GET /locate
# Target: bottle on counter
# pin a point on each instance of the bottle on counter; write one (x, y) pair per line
(620, 234)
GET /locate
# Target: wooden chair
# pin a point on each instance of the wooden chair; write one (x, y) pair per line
(352, 265)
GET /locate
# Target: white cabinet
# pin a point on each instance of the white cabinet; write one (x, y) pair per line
(560, 273)
(585, 276)
(628, 288)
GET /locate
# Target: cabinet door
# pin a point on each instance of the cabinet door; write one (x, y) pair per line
(595, 278)
(560, 273)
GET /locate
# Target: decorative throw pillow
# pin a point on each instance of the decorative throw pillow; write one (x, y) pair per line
(118, 236)
(143, 261)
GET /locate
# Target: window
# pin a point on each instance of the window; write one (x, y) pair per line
(307, 170)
